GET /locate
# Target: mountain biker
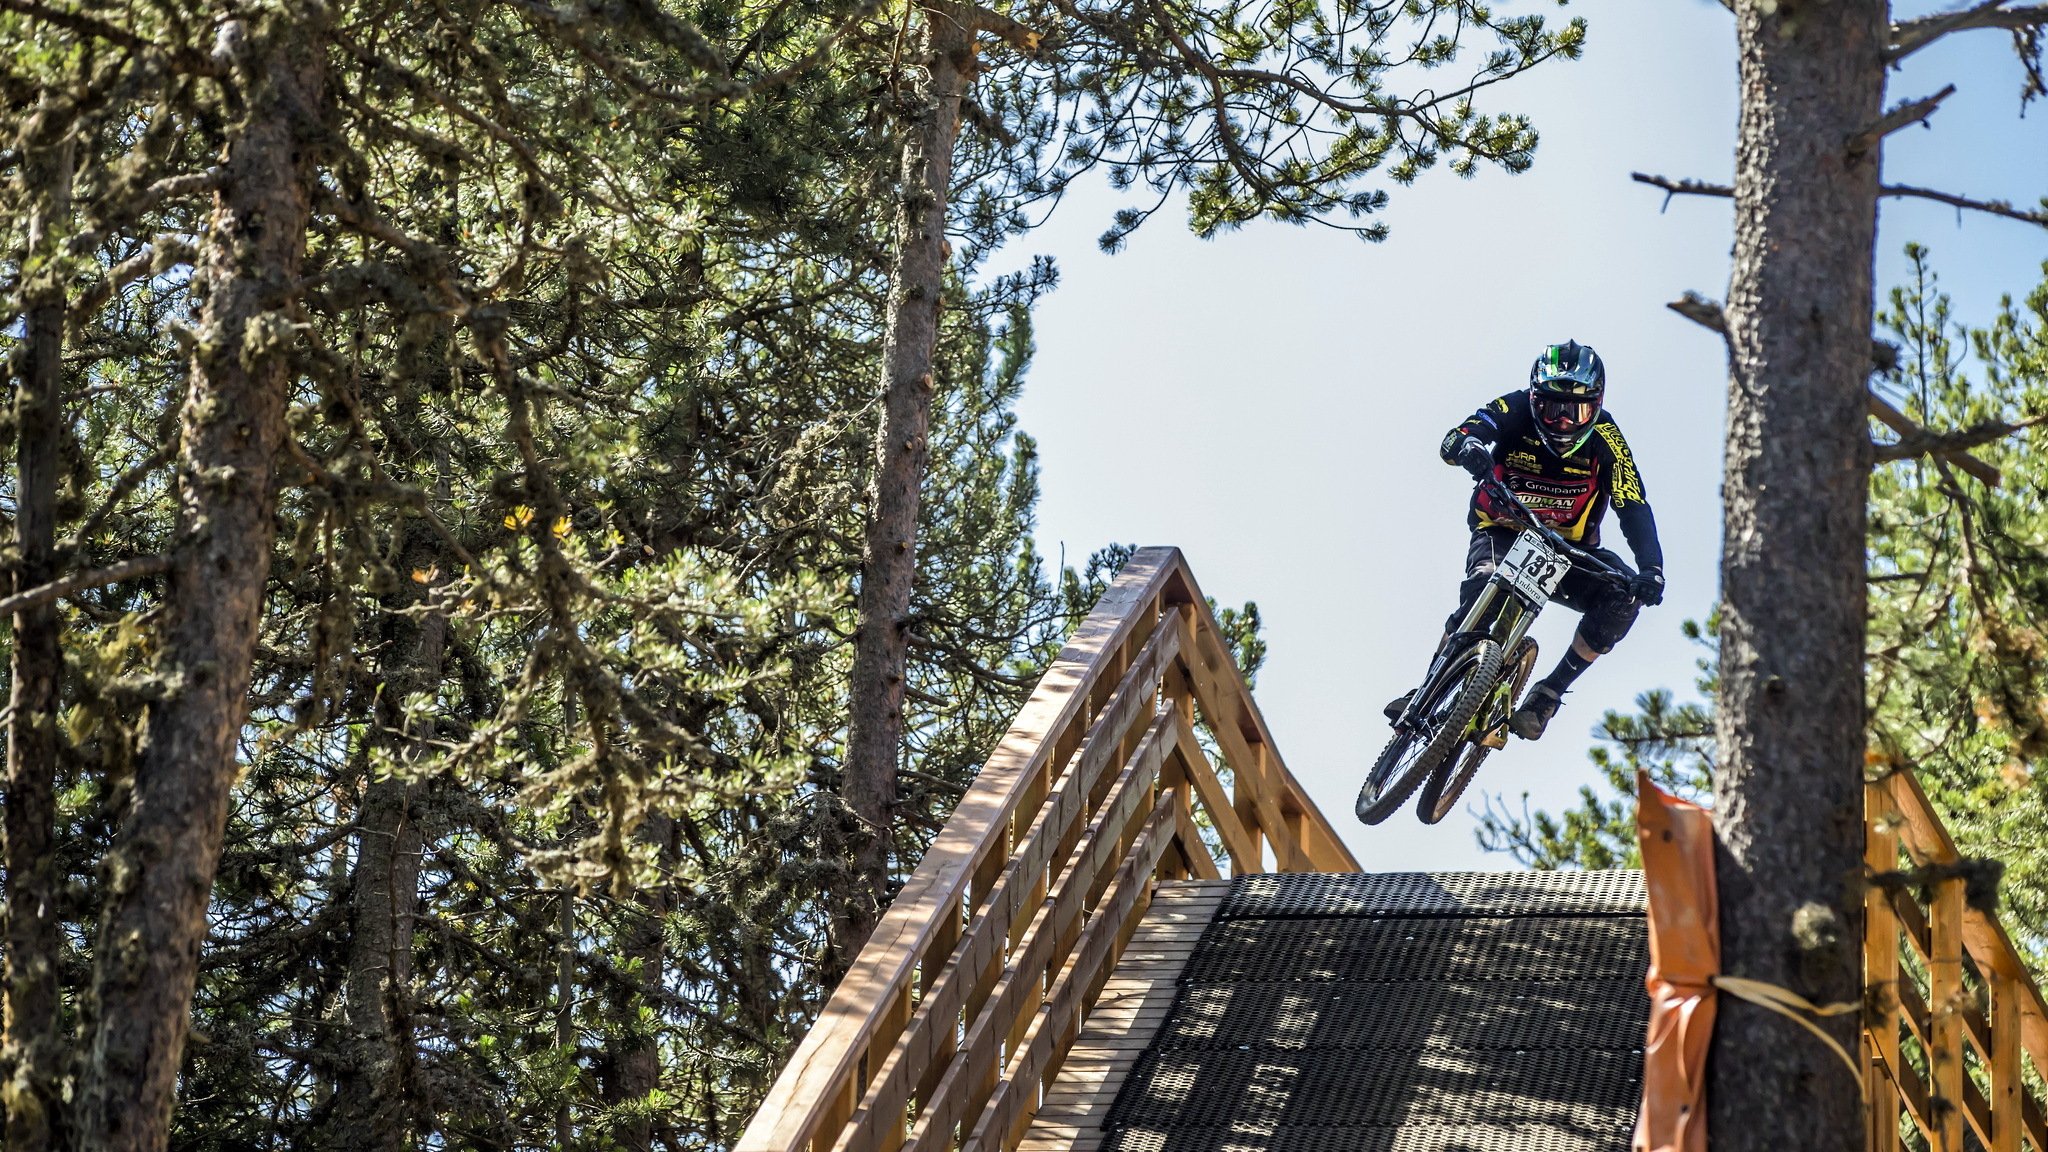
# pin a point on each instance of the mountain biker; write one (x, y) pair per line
(1563, 456)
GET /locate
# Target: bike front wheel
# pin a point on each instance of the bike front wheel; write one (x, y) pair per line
(1448, 782)
(1445, 722)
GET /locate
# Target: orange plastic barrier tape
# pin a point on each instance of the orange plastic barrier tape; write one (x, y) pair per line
(1677, 839)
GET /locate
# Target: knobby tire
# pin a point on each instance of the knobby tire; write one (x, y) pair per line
(1481, 666)
(1440, 794)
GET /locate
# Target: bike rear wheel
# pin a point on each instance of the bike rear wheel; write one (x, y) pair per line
(1446, 720)
(1440, 795)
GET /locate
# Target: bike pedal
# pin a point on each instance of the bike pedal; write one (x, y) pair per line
(1496, 739)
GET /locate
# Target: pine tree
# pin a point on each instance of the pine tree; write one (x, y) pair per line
(1791, 719)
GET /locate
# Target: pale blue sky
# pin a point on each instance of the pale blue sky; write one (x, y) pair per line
(1271, 401)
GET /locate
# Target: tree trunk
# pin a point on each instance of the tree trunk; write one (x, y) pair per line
(161, 867)
(889, 560)
(633, 1057)
(1788, 790)
(33, 1044)
(376, 1097)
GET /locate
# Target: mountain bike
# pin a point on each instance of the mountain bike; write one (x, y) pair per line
(1477, 676)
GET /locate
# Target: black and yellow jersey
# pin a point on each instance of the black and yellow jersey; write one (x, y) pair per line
(1569, 493)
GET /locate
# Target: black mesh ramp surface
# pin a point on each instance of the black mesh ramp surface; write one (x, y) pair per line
(1459, 1012)
(1615, 892)
(1480, 948)
(1409, 1016)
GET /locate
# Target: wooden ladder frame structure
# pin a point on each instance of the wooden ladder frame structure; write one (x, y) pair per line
(1140, 756)
(1973, 1017)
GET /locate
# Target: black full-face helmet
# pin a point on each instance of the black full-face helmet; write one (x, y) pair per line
(1566, 388)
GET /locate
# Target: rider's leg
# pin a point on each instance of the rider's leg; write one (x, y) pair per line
(1608, 617)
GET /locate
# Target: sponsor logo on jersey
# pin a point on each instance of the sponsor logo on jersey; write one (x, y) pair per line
(1540, 486)
(1628, 483)
(1522, 461)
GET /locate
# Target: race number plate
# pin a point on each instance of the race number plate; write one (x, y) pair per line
(1533, 568)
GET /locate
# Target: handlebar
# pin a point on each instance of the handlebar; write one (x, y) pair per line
(1579, 557)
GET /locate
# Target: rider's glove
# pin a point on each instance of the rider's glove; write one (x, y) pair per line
(1647, 586)
(1475, 458)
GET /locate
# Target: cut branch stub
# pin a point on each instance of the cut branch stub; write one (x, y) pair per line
(1910, 112)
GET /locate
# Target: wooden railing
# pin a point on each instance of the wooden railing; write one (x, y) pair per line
(961, 1007)
(1973, 1020)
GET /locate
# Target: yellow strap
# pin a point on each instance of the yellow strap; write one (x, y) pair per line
(1789, 1004)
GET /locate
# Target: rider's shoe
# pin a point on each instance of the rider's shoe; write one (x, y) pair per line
(1398, 705)
(1534, 715)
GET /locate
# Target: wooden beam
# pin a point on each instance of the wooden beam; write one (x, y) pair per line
(1201, 865)
(2008, 1114)
(1881, 972)
(1215, 693)
(1216, 801)
(1945, 1014)
(1927, 842)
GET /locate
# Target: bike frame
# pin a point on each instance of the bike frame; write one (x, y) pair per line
(1505, 612)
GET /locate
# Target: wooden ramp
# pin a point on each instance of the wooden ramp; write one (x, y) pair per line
(1043, 981)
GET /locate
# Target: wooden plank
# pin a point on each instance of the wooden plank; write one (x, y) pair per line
(1219, 689)
(2008, 1121)
(1913, 1091)
(827, 1059)
(1977, 1111)
(1215, 800)
(1188, 839)
(1114, 1034)
(1926, 841)
(1881, 971)
(1945, 1017)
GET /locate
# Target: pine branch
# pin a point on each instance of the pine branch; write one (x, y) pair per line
(1909, 112)
(1924, 443)
(1909, 36)
(146, 201)
(183, 58)
(123, 486)
(1882, 411)
(1990, 207)
(1681, 187)
(126, 570)
(979, 19)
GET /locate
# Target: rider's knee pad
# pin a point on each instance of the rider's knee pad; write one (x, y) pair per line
(1607, 622)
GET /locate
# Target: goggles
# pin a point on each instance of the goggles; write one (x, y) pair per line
(1562, 413)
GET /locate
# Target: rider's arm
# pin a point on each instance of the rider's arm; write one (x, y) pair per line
(1625, 492)
(1487, 426)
